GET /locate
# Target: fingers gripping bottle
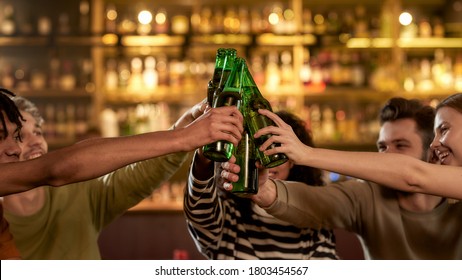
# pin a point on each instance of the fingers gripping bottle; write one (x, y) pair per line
(248, 175)
(252, 100)
(221, 151)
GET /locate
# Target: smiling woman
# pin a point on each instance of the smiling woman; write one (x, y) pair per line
(448, 131)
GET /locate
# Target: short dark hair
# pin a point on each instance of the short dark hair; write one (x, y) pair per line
(11, 111)
(401, 108)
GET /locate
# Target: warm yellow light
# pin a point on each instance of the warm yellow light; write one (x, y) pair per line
(405, 18)
(289, 14)
(145, 17)
(161, 18)
(273, 19)
(318, 19)
(111, 14)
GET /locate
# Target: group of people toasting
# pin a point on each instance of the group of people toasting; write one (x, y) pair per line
(400, 208)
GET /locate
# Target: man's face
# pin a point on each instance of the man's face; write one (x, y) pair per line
(33, 143)
(9, 145)
(402, 137)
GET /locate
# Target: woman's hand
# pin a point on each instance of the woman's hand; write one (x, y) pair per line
(266, 188)
(283, 134)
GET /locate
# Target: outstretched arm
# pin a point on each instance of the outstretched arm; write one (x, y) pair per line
(392, 170)
(95, 157)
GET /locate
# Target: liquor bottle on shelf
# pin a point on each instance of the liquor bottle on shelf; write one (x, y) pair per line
(85, 75)
(67, 80)
(44, 25)
(308, 26)
(22, 76)
(244, 19)
(162, 23)
(64, 27)
(248, 175)
(38, 79)
(7, 75)
(150, 75)
(305, 70)
(135, 83)
(218, 21)
(8, 24)
(272, 74)
(252, 100)
(162, 70)
(258, 69)
(180, 25)
(287, 71)
(84, 18)
(111, 18)
(221, 151)
(111, 76)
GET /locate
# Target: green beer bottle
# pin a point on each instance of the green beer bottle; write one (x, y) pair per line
(248, 175)
(214, 82)
(221, 151)
(252, 100)
(222, 77)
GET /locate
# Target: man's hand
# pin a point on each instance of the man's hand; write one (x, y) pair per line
(223, 123)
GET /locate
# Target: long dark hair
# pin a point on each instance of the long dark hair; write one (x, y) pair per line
(8, 107)
(453, 101)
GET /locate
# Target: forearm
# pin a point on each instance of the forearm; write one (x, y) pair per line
(202, 168)
(95, 157)
(128, 185)
(393, 170)
(333, 206)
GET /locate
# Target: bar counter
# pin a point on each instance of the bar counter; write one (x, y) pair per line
(149, 231)
(157, 231)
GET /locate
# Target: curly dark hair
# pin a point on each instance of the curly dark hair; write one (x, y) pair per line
(8, 107)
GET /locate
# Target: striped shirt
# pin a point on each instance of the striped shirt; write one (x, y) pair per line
(221, 232)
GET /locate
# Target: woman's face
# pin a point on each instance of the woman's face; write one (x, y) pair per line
(281, 172)
(447, 143)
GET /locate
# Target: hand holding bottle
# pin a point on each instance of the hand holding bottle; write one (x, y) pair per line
(221, 151)
(283, 134)
(266, 188)
(224, 123)
(252, 101)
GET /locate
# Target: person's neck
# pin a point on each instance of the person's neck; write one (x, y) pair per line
(25, 203)
(418, 202)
